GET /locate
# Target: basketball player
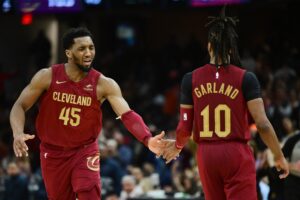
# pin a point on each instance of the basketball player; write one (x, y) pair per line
(215, 100)
(69, 120)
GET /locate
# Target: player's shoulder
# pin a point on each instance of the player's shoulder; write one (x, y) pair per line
(107, 86)
(42, 78)
(248, 75)
(188, 73)
(106, 81)
(44, 73)
(187, 76)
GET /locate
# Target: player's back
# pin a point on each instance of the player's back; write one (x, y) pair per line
(220, 110)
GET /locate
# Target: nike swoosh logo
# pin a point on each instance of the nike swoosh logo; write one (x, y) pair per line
(60, 82)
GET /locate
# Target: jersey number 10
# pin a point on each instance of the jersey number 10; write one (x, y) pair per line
(217, 129)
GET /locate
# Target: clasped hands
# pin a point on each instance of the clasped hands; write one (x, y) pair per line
(163, 147)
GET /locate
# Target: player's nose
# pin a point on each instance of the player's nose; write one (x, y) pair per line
(88, 53)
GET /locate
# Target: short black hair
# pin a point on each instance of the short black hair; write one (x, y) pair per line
(223, 39)
(68, 38)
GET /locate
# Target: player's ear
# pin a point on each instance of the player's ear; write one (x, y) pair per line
(68, 53)
(209, 48)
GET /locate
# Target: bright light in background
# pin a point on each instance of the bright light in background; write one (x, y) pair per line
(61, 3)
(126, 33)
(199, 3)
(93, 2)
(49, 6)
(6, 6)
(26, 19)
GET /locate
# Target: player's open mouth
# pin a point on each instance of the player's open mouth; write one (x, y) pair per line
(87, 62)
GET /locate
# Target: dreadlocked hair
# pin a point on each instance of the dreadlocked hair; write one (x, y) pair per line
(223, 39)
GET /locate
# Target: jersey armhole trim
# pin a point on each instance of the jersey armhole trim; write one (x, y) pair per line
(52, 79)
(186, 106)
(96, 85)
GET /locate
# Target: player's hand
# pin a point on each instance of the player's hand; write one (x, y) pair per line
(282, 166)
(20, 147)
(171, 151)
(156, 144)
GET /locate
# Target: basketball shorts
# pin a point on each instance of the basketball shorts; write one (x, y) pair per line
(67, 172)
(227, 171)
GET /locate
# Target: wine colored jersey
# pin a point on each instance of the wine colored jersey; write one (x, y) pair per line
(69, 112)
(220, 109)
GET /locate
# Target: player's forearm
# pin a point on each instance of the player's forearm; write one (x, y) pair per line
(17, 119)
(135, 125)
(185, 126)
(269, 137)
(182, 138)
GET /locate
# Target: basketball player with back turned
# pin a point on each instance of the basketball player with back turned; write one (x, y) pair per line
(215, 100)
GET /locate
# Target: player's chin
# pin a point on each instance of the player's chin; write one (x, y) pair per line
(87, 67)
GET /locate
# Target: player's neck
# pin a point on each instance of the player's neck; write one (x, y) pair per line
(220, 63)
(74, 73)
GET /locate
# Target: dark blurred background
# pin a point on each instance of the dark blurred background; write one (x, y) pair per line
(146, 46)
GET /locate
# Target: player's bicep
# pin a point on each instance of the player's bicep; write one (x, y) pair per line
(118, 104)
(115, 98)
(30, 94)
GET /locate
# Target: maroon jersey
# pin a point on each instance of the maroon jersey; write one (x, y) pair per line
(220, 110)
(69, 112)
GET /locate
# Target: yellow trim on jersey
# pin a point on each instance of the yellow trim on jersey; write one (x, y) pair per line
(186, 106)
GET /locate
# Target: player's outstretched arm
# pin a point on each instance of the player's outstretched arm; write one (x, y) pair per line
(186, 119)
(110, 90)
(183, 133)
(267, 134)
(39, 83)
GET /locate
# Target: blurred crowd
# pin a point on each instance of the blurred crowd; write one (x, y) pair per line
(150, 82)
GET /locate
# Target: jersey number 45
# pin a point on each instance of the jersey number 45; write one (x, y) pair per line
(70, 116)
